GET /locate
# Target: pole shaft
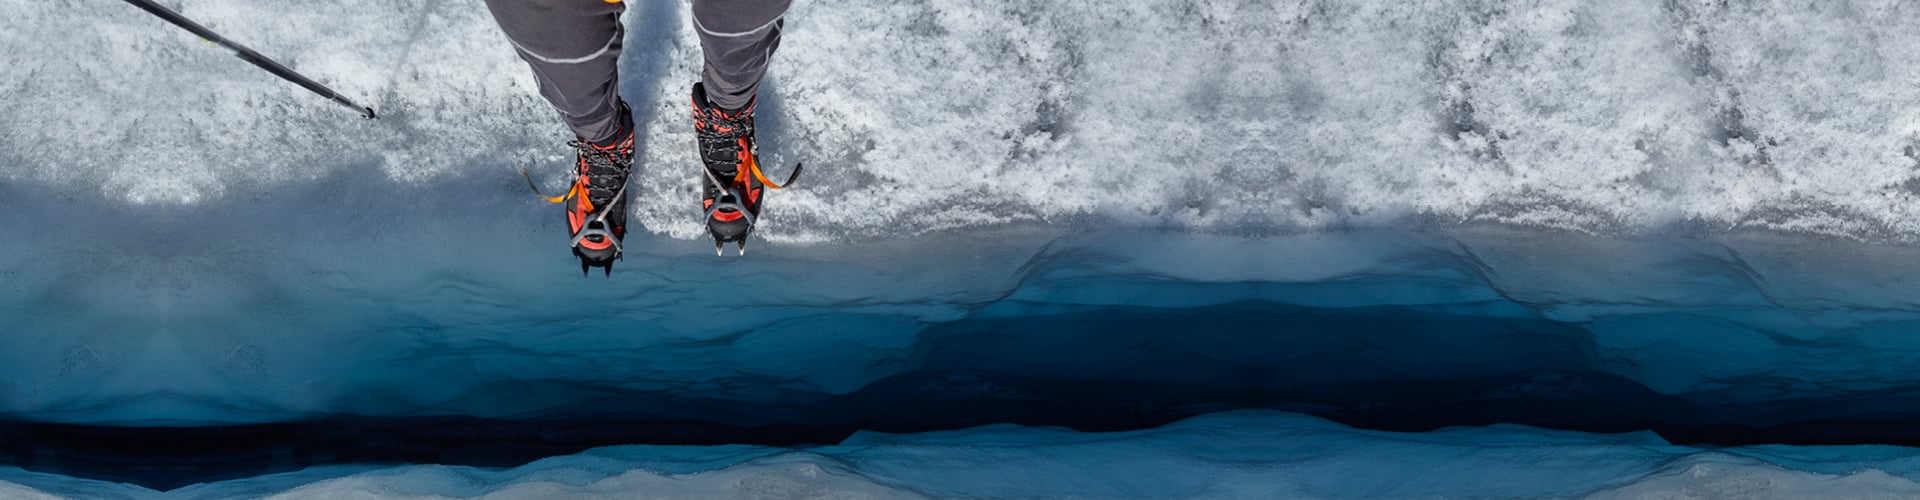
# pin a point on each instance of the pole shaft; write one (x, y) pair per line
(248, 55)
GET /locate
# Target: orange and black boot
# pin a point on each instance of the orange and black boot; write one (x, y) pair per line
(732, 196)
(597, 214)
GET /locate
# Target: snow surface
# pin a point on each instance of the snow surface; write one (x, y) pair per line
(1246, 454)
(1224, 115)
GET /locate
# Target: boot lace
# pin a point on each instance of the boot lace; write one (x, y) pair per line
(719, 136)
(607, 169)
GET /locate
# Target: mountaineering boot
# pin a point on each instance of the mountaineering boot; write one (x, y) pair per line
(597, 215)
(731, 198)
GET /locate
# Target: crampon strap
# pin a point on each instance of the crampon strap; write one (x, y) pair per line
(552, 199)
(753, 165)
(595, 214)
(599, 214)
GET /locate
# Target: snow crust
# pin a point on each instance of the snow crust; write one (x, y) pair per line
(1246, 454)
(1222, 115)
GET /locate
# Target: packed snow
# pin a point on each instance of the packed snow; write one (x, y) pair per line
(1223, 115)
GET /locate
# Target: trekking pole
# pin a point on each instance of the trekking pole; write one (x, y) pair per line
(248, 54)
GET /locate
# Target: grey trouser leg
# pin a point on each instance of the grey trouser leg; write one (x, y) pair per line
(574, 49)
(738, 38)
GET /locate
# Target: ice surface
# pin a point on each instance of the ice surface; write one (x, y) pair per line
(1792, 337)
(323, 306)
(1246, 454)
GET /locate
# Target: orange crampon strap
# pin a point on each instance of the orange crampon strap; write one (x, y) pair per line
(554, 199)
(753, 165)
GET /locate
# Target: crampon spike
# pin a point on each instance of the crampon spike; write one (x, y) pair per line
(718, 247)
(583, 268)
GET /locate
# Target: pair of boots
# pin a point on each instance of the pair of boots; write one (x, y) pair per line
(597, 214)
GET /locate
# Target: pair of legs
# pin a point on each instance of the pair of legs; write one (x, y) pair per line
(574, 48)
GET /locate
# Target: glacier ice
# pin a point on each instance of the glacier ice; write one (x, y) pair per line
(1741, 338)
(1163, 238)
(246, 319)
(1235, 454)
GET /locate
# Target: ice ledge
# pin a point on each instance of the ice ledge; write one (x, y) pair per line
(1234, 454)
(320, 305)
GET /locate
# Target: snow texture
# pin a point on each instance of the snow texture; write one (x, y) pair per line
(1224, 115)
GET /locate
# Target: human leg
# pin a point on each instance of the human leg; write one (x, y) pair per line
(737, 38)
(573, 47)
